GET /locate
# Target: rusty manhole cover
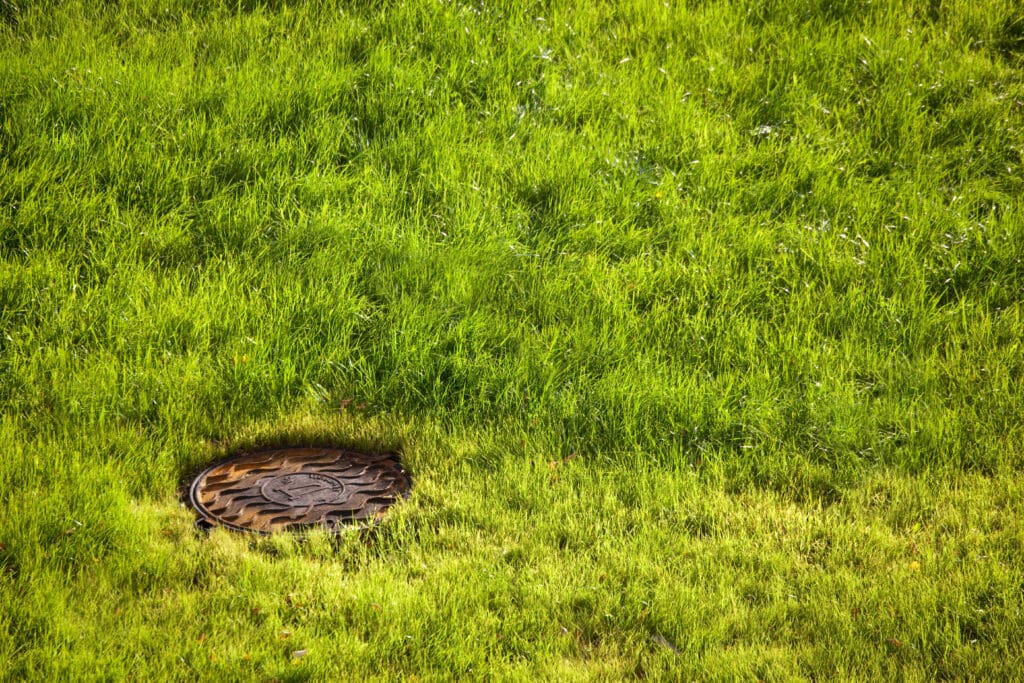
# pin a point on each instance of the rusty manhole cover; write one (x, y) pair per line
(292, 489)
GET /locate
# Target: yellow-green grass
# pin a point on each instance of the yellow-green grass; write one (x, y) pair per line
(698, 326)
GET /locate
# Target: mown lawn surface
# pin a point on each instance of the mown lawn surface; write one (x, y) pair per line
(698, 325)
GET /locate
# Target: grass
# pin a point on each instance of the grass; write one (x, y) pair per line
(698, 325)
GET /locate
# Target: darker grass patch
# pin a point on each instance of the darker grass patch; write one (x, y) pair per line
(1008, 42)
(10, 12)
(798, 480)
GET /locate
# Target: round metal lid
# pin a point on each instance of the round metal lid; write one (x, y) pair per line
(293, 489)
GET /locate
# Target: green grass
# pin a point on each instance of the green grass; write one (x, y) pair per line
(699, 327)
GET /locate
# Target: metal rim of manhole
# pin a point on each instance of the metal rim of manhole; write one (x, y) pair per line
(299, 489)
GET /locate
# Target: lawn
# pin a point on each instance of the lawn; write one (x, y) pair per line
(699, 327)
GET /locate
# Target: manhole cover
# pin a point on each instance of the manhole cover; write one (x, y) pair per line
(290, 489)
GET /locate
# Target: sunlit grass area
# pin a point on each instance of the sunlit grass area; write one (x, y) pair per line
(697, 325)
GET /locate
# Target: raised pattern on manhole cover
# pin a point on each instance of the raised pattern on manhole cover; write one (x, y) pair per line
(298, 488)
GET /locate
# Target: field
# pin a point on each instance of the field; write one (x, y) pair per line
(698, 326)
